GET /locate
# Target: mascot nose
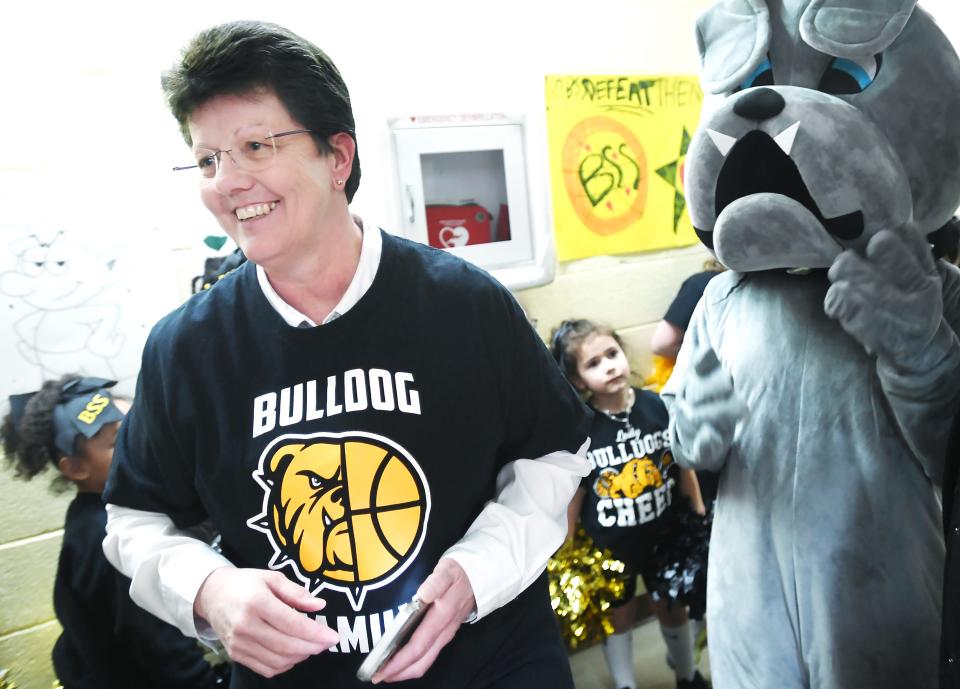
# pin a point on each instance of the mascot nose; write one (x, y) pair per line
(760, 104)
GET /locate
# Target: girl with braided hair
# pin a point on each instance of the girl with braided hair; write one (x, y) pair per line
(70, 426)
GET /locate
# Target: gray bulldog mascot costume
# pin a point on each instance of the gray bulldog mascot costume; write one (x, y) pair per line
(820, 375)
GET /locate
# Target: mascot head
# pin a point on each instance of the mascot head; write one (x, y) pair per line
(841, 118)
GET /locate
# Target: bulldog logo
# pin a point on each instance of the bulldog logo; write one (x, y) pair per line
(345, 511)
(633, 479)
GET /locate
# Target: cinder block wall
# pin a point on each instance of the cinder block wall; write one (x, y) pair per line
(629, 293)
(31, 520)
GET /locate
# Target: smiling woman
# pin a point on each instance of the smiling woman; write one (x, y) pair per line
(275, 197)
(360, 479)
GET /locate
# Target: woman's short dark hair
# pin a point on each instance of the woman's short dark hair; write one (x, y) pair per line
(239, 57)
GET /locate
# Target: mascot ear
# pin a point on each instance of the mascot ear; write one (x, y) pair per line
(854, 28)
(733, 37)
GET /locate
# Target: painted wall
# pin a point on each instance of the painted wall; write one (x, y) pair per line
(89, 145)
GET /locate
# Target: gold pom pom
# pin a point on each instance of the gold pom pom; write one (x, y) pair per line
(6, 679)
(584, 582)
(662, 368)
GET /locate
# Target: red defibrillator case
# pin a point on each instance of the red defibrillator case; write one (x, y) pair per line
(450, 225)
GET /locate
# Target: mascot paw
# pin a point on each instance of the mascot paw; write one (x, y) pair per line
(706, 414)
(889, 300)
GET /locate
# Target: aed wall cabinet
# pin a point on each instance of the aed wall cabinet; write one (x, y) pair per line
(463, 188)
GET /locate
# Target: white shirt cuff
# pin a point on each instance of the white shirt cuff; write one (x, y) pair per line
(508, 544)
(167, 565)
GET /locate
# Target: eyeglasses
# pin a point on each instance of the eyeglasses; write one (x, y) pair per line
(254, 150)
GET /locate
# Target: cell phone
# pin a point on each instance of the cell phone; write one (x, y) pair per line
(392, 639)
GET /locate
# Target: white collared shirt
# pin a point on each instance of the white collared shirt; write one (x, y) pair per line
(504, 550)
(371, 247)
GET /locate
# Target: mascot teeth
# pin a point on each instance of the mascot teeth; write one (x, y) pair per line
(723, 142)
(326, 519)
(786, 138)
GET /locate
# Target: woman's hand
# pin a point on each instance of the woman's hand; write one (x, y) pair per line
(257, 616)
(453, 601)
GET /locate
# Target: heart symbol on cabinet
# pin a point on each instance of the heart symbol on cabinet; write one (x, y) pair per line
(454, 236)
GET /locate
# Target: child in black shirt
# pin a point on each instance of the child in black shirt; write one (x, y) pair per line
(108, 642)
(631, 491)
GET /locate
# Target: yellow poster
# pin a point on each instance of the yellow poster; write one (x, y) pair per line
(617, 150)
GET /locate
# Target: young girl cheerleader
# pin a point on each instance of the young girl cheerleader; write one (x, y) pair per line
(108, 642)
(633, 488)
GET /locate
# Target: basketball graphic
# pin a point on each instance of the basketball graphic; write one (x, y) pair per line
(345, 511)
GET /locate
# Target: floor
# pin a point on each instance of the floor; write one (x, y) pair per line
(649, 661)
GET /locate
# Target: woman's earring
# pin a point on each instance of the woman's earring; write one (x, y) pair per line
(339, 182)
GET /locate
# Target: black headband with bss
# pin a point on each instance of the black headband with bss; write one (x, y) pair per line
(85, 406)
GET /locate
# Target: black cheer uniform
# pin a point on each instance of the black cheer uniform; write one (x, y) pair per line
(632, 486)
(350, 456)
(109, 642)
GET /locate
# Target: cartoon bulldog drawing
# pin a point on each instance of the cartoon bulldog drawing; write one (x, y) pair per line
(66, 329)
